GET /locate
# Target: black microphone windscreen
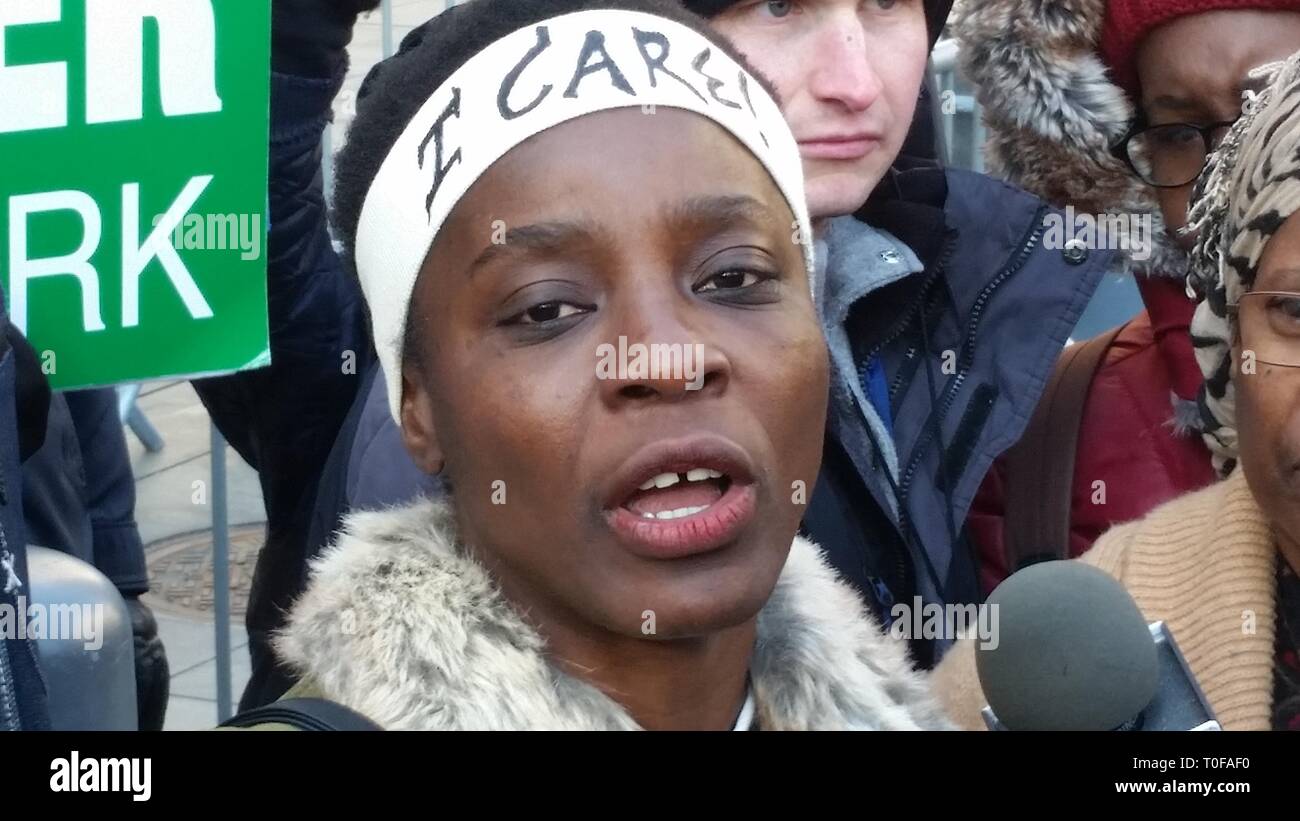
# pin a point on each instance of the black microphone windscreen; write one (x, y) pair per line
(1073, 651)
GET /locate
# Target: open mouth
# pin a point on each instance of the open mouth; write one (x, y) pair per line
(673, 495)
(679, 501)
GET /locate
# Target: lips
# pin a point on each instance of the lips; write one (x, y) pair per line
(676, 499)
(839, 146)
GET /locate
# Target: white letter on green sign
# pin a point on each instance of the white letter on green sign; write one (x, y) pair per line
(34, 96)
(75, 264)
(136, 257)
(187, 62)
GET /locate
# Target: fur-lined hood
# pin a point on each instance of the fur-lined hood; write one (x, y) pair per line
(1053, 113)
(400, 625)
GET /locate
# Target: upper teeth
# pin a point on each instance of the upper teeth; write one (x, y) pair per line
(664, 480)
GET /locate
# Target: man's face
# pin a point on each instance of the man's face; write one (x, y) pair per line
(1194, 70)
(848, 74)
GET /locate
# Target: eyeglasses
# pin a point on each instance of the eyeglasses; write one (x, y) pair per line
(1269, 323)
(1170, 155)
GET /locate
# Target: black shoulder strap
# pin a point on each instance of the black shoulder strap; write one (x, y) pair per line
(304, 714)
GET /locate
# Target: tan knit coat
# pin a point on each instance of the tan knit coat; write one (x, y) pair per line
(1205, 564)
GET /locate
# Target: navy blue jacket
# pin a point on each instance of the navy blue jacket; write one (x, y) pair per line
(966, 342)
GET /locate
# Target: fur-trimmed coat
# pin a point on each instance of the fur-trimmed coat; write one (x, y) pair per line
(1052, 114)
(399, 624)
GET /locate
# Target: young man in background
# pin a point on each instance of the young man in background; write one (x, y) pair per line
(943, 308)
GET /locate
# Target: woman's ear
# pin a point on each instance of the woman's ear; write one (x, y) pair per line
(418, 433)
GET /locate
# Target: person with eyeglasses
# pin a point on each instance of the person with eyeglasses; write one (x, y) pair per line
(1220, 565)
(1112, 108)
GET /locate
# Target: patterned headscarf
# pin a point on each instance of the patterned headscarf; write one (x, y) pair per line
(1249, 188)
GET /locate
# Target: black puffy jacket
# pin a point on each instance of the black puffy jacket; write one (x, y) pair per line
(283, 419)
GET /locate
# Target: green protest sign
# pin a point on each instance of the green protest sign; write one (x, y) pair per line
(133, 172)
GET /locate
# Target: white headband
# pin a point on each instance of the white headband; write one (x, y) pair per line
(526, 82)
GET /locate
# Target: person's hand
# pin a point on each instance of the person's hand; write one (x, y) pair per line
(334, 8)
(152, 673)
(309, 38)
(355, 7)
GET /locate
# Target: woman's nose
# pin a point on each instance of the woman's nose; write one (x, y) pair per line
(661, 354)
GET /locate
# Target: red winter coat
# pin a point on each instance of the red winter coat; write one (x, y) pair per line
(1128, 438)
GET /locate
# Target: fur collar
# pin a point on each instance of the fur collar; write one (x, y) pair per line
(400, 625)
(1052, 112)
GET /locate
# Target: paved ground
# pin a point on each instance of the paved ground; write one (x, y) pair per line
(174, 504)
(174, 510)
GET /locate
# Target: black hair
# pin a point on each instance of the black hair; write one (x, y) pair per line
(396, 88)
(709, 8)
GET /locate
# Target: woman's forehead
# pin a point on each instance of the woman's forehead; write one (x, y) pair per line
(618, 144)
(623, 164)
(1279, 266)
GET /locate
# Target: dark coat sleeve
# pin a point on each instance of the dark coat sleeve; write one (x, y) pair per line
(283, 419)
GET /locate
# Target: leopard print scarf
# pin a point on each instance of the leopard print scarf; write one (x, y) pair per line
(1249, 188)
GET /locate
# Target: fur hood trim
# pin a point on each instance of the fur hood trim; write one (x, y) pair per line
(400, 625)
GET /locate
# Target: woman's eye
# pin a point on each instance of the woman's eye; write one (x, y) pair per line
(886, 5)
(1287, 306)
(545, 312)
(1175, 137)
(730, 280)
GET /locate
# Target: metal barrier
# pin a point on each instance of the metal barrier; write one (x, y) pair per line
(221, 575)
(135, 419)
